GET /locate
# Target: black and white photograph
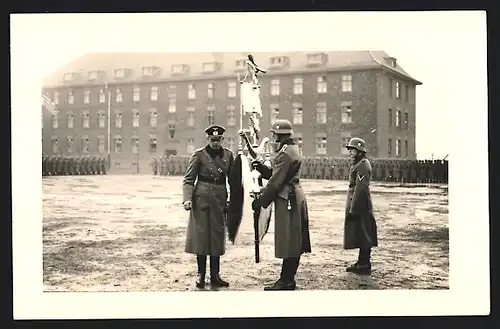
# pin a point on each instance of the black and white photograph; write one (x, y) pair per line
(192, 160)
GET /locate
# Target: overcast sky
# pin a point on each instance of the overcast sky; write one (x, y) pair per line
(437, 48)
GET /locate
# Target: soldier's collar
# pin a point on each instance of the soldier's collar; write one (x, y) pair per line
(289, 141)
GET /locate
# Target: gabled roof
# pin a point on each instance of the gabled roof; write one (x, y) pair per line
(134, 62)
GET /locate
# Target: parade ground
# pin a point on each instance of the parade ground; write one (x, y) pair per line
(126, 233)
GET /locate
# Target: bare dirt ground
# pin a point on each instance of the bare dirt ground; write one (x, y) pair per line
(126, 233)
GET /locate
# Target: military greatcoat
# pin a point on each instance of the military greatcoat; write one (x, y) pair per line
(205, 185)
(360, 228)
(291, 219)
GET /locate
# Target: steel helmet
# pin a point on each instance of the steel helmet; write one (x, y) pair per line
(357, 143)
(282, 126)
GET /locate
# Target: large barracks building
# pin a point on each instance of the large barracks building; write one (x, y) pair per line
(145, 105)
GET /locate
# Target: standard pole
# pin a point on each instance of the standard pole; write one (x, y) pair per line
(109, 125)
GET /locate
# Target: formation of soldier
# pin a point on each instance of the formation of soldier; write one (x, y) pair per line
(79, 165)
(337, 168)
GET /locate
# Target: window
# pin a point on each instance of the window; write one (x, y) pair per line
(211, 90)
(85, 144)
(135, 118)
(390, 118)
(119, 73)
(321, 144)
(231, 143)
(231, 116)
(153, 118)
(190, 145)
(177, 68)
(118, 119)
(277, 60)
(135, 145)
(231, 89)
(321, 85)
(68, 77)
(56, 97)
(346, 112)
(275, 87)
(406, 93)
(191, 92)
(171, 129)
(315, 58)
(71, 120)
(171, 99)
(297, 86)
(70, 145)
(149, 71)
(118, 144)
(86, 119)
(398, 119)
(136, 94)
(406, 148)
(100, 144)
(86, 96)
(210, 115)
(102, 96)
(240, 64)
(119, 96)
(101, 119)
(406, 121)
(389, 147)
(54, 145)
(321, 113)
(390, 87)
(208, 67)
(71, 98)
(152, 144)
(55, 121)
(345, 136)
(190, 117)
(346, 81)
(275, 112)
(153, 93)
(93, 75)
(397, 90)
(297, 116)
(398, 147)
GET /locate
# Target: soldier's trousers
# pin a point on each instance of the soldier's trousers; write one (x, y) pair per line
(201, 260)
(364, 256)
(289, 268)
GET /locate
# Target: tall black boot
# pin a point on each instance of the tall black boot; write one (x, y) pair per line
(215, 279)
(285, 281)
(363, 265)
(202, 267)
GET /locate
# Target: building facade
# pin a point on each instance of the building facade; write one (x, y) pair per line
(163, 104)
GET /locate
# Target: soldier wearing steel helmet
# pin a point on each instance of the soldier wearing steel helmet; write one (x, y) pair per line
(291, 219)
(360, 228)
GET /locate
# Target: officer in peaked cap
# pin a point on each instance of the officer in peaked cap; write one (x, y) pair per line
(291, 219)
(360, 229)
(205, 196)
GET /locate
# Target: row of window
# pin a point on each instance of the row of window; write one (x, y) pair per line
(207, 67)
(230, 115)
(322, 88)
(398, 90)
(398, 119)
(320, 144)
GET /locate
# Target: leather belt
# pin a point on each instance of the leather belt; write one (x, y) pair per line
(211, 180)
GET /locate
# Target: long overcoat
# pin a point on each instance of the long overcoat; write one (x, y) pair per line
(360, 228)
(291, 218)
(206, 225)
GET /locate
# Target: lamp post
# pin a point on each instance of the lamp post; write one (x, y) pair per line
(137, 158)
